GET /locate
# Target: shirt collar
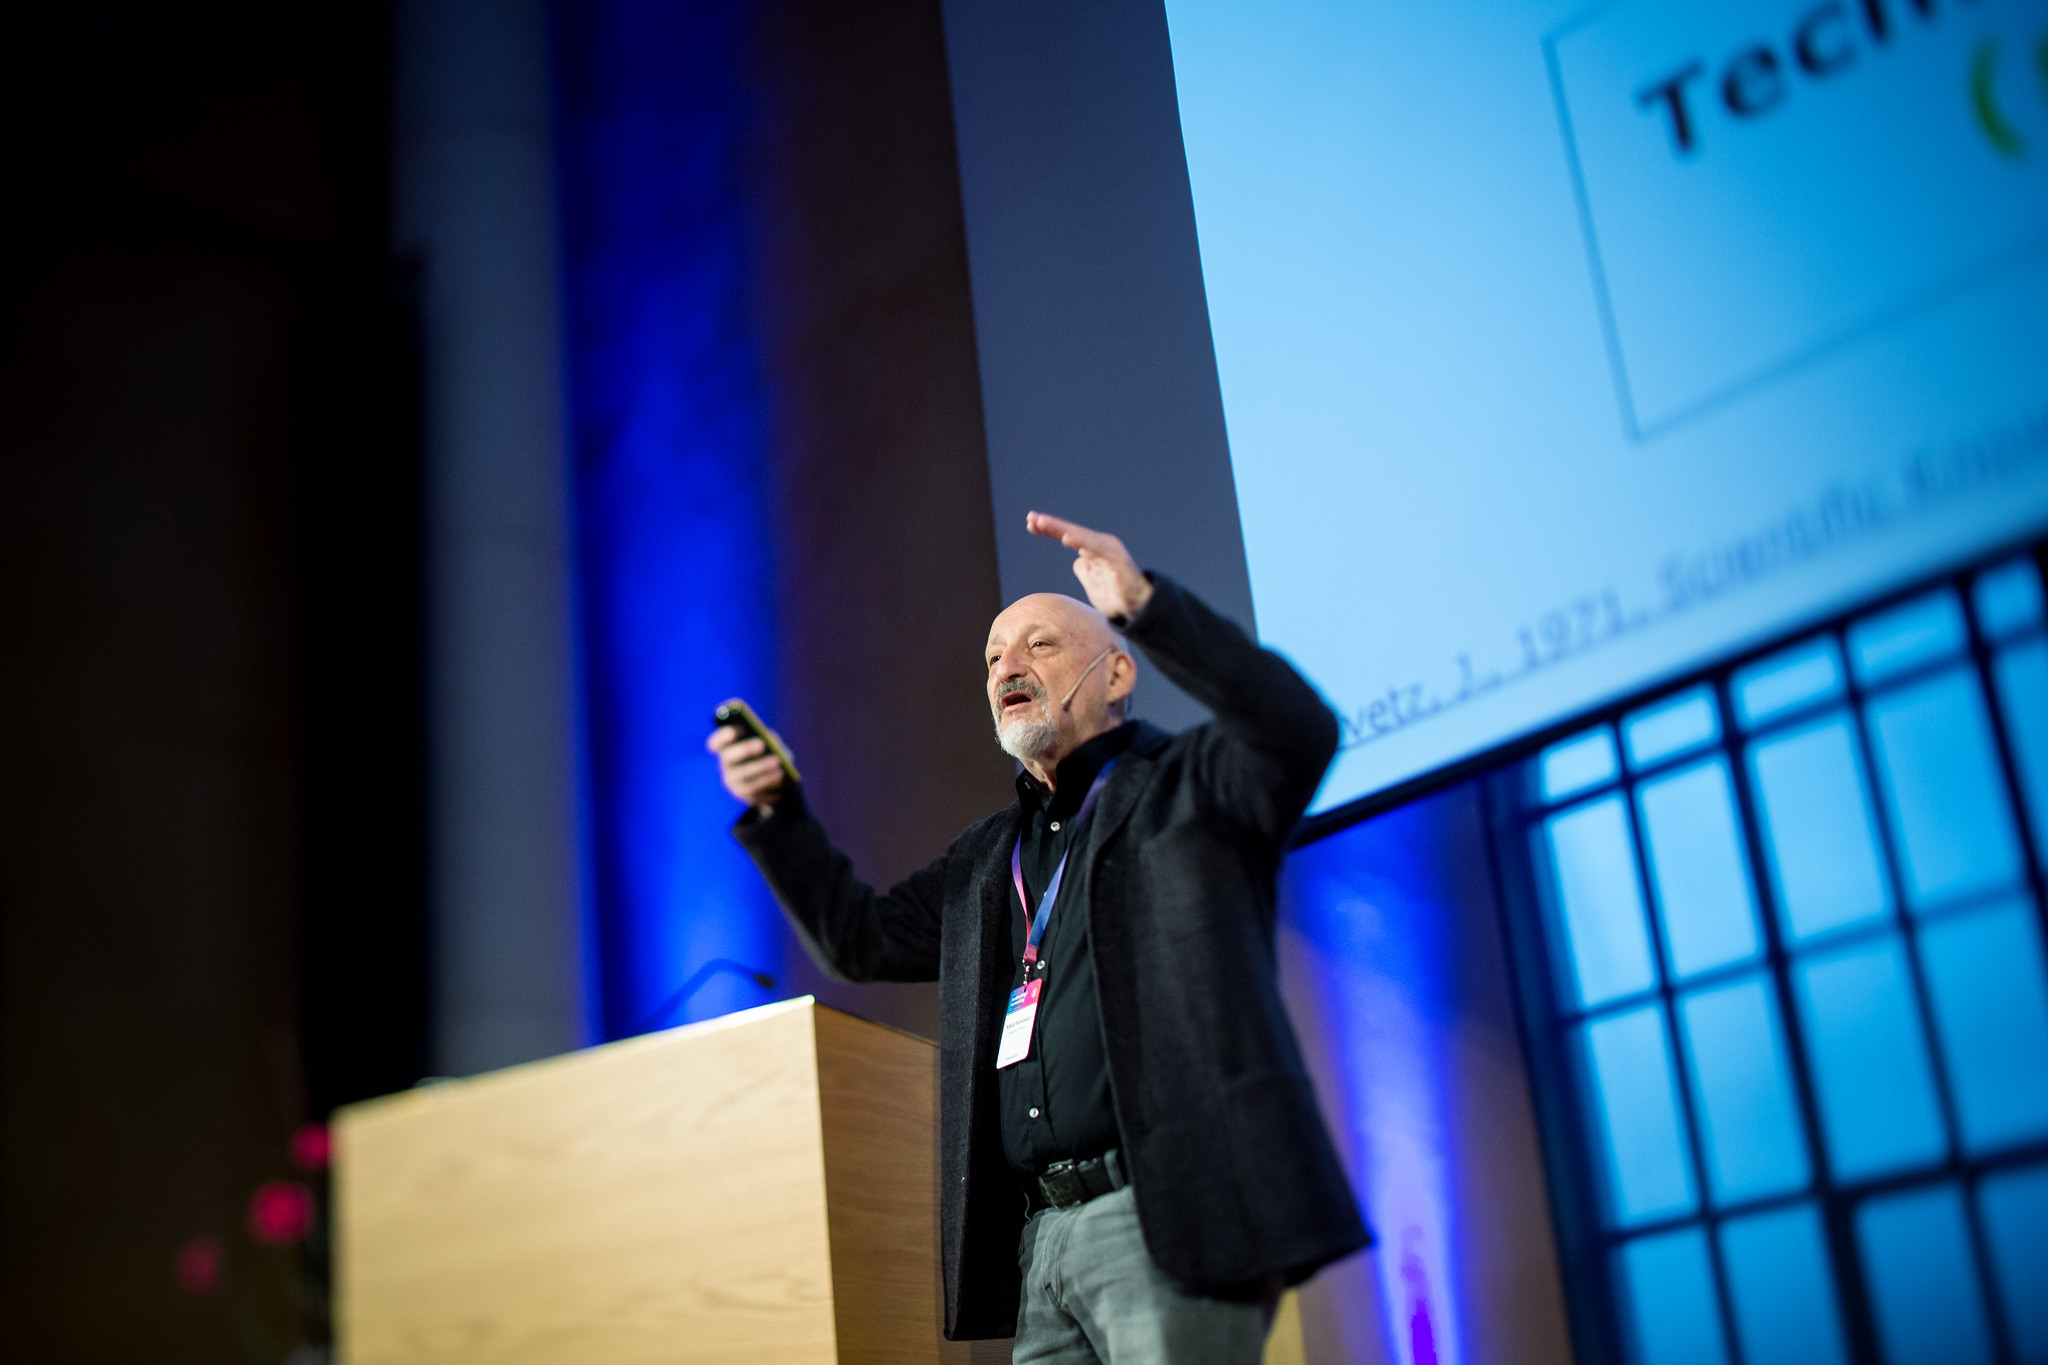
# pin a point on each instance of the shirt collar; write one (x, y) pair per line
(1075, 772)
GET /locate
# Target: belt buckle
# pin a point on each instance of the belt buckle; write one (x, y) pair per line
(1062, 1185)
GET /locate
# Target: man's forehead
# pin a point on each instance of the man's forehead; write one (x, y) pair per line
(1043, 610)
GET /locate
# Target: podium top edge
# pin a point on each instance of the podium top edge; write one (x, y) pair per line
(430, 1092)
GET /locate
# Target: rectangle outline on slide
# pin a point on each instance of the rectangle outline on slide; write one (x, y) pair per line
(1957, 282)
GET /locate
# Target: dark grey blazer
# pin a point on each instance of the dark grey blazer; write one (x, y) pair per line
(1234, 1175)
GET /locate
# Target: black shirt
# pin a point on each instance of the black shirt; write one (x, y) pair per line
(1056, 1102)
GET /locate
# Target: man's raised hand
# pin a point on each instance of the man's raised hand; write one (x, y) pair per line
(1114, 583)
(750, 772)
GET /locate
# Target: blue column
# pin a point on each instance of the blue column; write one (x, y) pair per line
(667, 422)
(1375, 913)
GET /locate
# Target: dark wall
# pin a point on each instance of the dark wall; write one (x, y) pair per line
(209, 835)
(1098, 375)
(885, 543)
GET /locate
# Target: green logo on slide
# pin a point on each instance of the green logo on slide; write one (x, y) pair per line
(1991, 117)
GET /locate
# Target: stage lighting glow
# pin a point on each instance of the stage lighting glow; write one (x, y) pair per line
(667, 412)
(1376, 912)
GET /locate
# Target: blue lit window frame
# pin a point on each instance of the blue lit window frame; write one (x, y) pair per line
(1517, 808)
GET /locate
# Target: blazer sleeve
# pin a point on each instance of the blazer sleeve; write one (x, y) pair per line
(855, 932)
(1272, 737)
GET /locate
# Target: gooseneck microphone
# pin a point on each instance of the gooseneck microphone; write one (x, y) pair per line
(697, 982)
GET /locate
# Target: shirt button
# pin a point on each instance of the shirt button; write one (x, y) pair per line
(1034, 1113)
(1055, 825)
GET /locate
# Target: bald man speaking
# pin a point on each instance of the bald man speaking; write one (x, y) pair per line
(1132, 1164)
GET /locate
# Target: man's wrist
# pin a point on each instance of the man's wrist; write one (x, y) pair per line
(1140, 597)
(784, 803)
(1123, 620)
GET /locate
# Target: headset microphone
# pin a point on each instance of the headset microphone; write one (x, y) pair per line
(1067, 702)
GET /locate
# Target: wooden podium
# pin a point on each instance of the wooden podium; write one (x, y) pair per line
(758, 1189)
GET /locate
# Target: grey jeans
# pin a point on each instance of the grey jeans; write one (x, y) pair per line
(1092, 1296)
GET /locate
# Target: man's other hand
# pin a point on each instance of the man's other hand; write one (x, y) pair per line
(749, 771)
(1115, 585)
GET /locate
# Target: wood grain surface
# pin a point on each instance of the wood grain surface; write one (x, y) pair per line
(756, 1190)
(660, 1200)
(876, 1091)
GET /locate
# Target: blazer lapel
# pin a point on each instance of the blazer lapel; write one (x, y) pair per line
(988, 945)
(1119, 798)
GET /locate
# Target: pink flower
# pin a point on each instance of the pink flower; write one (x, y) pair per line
(199, 1262)
(312, 1147)
(280, 1212)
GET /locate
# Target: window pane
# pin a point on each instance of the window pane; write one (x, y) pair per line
(1647, 1173)
(1923, 1279)
(2022, 674)
(1668, 1286)
(1699, 869)
(1870, 1066)
(1600, 900)
(1818, 829)
(2014, 1206)
(1788, 682)
(1921, 632)
(2008, 598)
(1943, 790)
(1577, 765)
(1742, 1081)
(1682, 723)
(1784, 1295)
(1985, 981)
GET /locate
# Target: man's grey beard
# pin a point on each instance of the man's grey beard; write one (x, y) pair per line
(1026, 740)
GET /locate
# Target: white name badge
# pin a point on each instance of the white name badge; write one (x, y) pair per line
(1017, 1020)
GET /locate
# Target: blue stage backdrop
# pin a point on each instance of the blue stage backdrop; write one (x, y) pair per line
(1376, 911)
(1395, 971)
(667, 427)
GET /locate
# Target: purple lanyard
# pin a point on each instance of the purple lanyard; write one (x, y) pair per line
(1052, 888)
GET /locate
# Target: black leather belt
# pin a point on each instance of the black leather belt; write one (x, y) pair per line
(1067, 1183)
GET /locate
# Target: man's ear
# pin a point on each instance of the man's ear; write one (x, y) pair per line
(1123, 671)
